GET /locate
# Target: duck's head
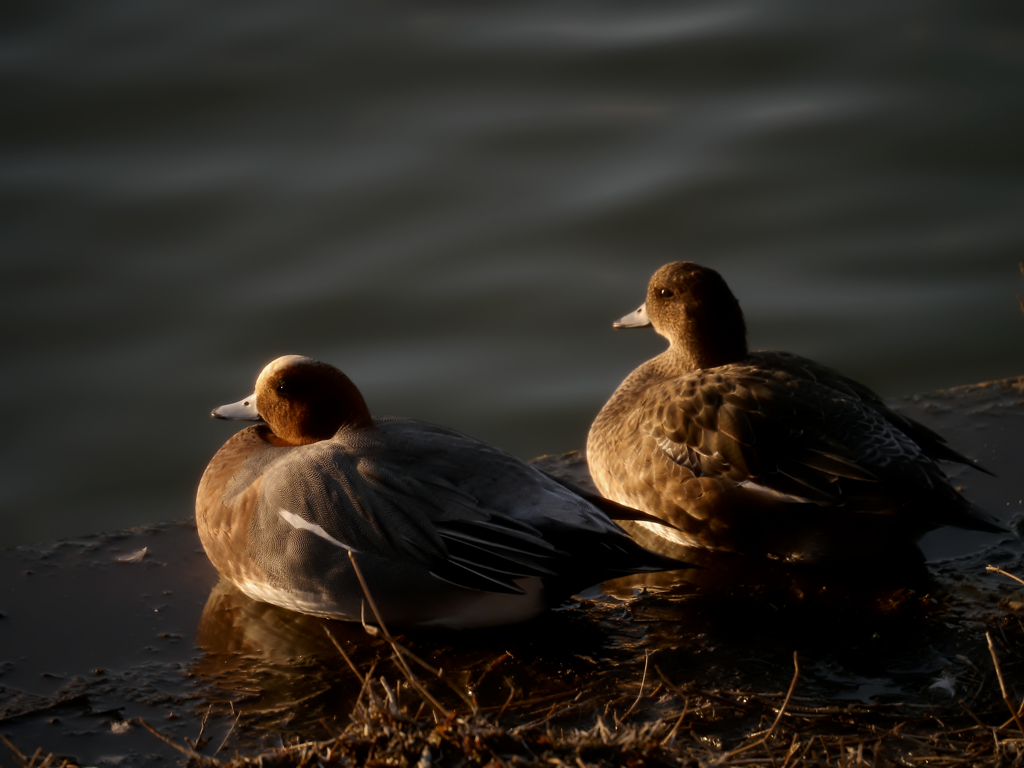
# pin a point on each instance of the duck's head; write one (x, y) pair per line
(302, 400)
(694, 309)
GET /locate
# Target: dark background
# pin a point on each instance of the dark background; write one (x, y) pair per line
(452, 202)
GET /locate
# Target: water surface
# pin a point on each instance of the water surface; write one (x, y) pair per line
(452, 202)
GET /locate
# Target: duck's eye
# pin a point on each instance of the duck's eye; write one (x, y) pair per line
(281, 386)
(666, 293)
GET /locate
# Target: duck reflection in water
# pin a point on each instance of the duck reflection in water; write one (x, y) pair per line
(729, 593)
(281, 670)
(278, 667)
(275, 664)
(764, 453)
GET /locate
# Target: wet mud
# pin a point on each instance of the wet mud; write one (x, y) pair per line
(101, 633)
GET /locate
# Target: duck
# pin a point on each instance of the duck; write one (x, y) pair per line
(763, 453)
(318, 499)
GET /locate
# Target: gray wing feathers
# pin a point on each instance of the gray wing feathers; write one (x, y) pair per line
(469, 526)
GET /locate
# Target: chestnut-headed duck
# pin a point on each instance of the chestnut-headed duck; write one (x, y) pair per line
(446, 530)
(764, 453)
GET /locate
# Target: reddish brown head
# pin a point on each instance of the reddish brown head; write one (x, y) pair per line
(303, 400)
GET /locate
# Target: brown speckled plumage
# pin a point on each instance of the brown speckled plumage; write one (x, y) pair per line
(766, 452)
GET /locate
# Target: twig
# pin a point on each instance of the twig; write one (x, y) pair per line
(491, 666)
(1002, 685)
(202, 725)
(201, 759)
(413, 681)
(365, 688)
(17, 752)
(552, 714)
(511, 693)
(226, 735)
(974, 717)
(778, 717)
(647, 657)
(393, 707)
(399, 648)
(679, 721)
(344, 655)
(793, 748)
(671, 686)
(993, 569)
(789, 694)
(438, 673)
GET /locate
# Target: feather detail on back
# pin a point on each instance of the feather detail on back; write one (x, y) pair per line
(763, 452)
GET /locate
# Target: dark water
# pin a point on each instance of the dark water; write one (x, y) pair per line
(452, 202)
(136, 627)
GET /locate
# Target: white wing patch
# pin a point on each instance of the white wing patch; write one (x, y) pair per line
(297, 522)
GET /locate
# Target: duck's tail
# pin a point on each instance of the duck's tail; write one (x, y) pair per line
(974, 518)
(613, 509)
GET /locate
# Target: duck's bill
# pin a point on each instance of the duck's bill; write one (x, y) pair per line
(638, 319)
(243, 410)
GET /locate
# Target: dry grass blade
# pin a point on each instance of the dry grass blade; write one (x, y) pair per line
(438, 673)
(364, 690)
(409, 676)
(201, 759)
(344, 655)
(511, 694)
(1002, 684)
(17, 752)
(993, 569)
(552, 714)
(767, 735)
(973, 716)
(679, 721)
(789, 693)
(401, 649)
(647, 658)
(226, 735)
(670, 685)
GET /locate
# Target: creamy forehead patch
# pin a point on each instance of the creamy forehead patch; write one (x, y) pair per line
(283, 362)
